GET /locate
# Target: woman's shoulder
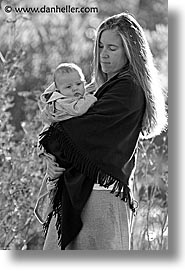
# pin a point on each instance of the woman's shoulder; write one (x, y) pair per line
(122, 86)
(128, 82)
(127, 87)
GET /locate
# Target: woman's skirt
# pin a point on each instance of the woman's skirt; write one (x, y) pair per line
(105, 225)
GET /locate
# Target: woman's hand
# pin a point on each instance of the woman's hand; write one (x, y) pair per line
(53, 169)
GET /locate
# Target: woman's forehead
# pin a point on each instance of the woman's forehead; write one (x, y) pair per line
(110, 37)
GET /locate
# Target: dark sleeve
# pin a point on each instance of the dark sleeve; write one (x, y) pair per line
(119, 109)
(126, 95)
(107, 134)
(115, 118)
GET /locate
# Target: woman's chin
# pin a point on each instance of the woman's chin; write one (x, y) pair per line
(105, 71)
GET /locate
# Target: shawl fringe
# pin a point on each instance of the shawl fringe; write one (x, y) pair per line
(58, 212)
(85, 166)
(45, 225)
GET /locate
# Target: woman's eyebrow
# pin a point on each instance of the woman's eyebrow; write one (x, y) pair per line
(115, 45)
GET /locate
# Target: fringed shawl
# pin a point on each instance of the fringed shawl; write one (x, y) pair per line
(98, 147)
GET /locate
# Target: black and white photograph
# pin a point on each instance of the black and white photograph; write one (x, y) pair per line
(84, 125)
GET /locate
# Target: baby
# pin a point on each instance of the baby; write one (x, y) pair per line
(66, 97)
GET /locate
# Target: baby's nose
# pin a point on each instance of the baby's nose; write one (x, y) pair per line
(75, 88)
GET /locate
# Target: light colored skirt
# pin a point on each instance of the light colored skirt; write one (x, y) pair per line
(105, 225)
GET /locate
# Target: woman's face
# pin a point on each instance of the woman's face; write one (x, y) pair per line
(111, 52)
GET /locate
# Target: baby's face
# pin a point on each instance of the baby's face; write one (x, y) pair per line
(70, 84)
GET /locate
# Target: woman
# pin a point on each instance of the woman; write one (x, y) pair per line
(100, 146)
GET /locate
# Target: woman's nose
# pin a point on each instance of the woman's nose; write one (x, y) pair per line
(104, 53)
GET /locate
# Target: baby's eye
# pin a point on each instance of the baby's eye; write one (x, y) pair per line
(68, 87)
(79, 83)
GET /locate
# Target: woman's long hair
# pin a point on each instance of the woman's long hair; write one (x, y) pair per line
(141, 66)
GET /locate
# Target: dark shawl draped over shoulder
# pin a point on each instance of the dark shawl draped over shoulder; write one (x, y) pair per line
(97, 147)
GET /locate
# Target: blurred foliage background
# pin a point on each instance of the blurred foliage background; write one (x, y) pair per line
(31, 46)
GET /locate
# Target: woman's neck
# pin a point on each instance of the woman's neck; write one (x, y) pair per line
(110, 75)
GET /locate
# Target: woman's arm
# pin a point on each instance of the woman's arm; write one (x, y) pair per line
(104, 138)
